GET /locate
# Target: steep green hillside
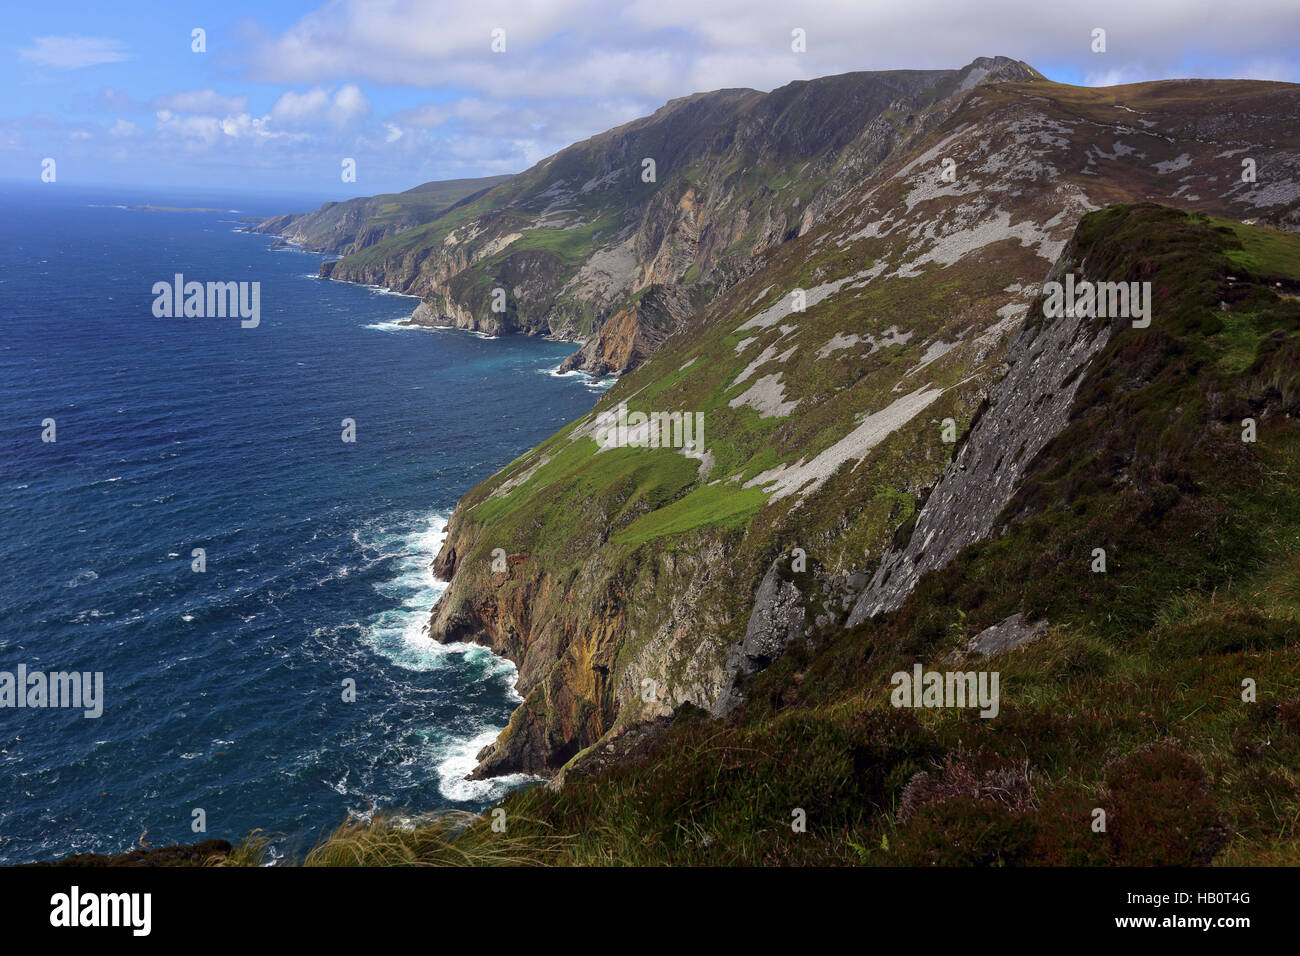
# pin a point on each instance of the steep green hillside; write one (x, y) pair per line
(1129, 699)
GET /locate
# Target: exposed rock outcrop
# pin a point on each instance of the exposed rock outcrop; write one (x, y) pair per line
(1006, 635)
(1025, 410)
(777, 619)
(633, 335)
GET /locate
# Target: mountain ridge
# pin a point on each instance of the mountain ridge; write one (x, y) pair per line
(569, 259)
(348, 225)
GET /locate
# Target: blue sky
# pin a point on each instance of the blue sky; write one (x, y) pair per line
(412, 89)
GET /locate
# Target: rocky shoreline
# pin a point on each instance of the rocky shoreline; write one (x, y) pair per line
(194, 854)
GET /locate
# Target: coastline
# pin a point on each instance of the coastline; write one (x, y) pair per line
(283, 242)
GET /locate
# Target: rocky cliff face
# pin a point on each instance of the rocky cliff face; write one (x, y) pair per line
(631, 226)
(632, 335)
(829, 375)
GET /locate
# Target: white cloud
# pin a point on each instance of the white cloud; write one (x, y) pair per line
(201, 101)
(560, 121)
(317, 105)
(212, 131)
(193, 130)
(408, 41)
(294, 107)
(73, 52)
(472, 108)
(349, 104)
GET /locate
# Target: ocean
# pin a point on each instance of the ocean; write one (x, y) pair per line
(223, 688)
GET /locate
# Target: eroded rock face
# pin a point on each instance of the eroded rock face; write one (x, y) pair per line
(586, 649)
(1025, 410)
(777, 619)
(789, 606)
(632, 335)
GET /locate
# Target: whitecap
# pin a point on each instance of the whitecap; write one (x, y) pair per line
(457, 758)
(390, 326)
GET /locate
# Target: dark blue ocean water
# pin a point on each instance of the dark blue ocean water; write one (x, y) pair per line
(223, 689)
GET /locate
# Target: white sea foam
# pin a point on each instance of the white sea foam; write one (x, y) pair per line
(402, 634)
(456, 758)
(588, 380)
(385, 290)
(391, 326)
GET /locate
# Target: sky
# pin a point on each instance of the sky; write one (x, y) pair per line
(274, 96)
